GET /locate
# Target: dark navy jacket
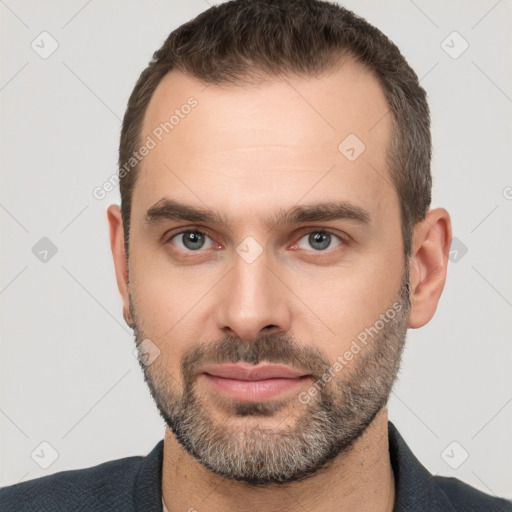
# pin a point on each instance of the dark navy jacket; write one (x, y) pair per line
(134, 484)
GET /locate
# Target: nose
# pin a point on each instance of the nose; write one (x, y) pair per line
(254, 301)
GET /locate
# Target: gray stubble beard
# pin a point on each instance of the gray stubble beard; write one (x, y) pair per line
(325, 428)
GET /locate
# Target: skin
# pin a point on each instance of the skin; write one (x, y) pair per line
(246, 152)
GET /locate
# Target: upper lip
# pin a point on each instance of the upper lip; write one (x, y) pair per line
(251, 372)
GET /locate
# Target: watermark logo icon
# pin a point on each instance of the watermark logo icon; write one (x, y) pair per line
(44, 45)
(44, 455)
(351, 147)
(44, 250)
(249, 250)
(147, 352)
(458, 250)
(454, 45)
(454, 455)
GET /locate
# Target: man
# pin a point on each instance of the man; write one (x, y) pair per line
(274, 244)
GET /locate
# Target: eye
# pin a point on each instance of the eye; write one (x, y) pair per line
(191, 241)
(319, 241)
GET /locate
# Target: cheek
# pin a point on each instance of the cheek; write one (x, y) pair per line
(169, 301)
(153, 294)
(351, 300)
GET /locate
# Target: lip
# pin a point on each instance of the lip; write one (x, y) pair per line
(249, 383)
(251, 372)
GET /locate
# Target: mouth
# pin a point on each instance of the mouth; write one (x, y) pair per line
(254, 383)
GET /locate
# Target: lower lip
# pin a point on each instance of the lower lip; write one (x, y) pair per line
(255, 390)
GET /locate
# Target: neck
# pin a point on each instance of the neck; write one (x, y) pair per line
(359, 480)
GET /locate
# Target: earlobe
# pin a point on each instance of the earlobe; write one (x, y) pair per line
(428, 264)
(115, 222)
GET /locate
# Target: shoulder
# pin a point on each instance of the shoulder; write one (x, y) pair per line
(417, 489)
(465, 498)
(107, 486)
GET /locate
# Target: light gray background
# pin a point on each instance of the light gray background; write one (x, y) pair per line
(68, 373)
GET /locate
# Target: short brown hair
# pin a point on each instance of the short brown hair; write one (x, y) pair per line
(241, 40)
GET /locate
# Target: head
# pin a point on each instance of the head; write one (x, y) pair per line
(279, 213)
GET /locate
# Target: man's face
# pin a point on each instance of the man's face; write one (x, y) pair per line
(265, 286)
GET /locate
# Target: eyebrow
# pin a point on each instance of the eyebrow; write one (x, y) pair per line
(172, 210)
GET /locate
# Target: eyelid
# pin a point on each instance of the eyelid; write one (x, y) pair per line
(342, 237)
(171, 233)
(168, 238)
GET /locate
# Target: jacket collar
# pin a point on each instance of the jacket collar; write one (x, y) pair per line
(415, 486)
(147, 488)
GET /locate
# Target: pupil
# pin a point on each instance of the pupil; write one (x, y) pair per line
(322, 240)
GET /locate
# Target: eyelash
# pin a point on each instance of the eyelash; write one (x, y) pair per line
(342, 240)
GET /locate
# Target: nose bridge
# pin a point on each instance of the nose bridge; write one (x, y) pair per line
(252, 299)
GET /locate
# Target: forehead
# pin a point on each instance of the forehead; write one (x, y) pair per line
(281, 142)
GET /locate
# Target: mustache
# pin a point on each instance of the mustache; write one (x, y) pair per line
(266, 348)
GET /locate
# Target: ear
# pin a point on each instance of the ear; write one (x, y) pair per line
(115, 222)
(428, 264)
